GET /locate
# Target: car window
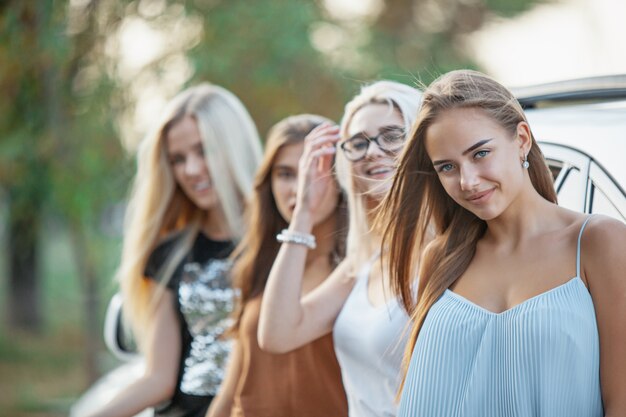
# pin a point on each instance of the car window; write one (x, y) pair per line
(570, 169)
(606, 195)
(555, 169)
(601, 204)
(570, 193)
(582, 184)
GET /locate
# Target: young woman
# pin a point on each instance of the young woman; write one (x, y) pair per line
(355, 302)
(194, 172)
(520, 302)
(306, 381)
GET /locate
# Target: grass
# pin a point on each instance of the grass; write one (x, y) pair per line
(42, 375)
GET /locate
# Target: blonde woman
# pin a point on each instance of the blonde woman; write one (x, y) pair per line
(305, 382)
(355, 302)
(521, 302)
(195, 171)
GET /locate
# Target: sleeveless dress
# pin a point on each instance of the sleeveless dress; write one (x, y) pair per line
(369, 344)
(538, 359)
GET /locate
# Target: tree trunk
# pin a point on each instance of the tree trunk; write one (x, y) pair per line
(24, 292)
(88, 277)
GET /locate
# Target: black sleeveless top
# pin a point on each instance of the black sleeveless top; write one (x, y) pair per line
(204, 300)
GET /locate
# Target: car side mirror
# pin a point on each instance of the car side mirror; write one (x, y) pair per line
(117, 337)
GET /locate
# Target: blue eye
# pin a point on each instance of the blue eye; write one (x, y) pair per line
(446, 168)
(481, 153)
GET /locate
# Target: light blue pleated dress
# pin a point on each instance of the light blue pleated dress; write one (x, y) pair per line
(538, 359)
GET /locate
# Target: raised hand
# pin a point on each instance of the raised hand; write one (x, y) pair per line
(316, 180)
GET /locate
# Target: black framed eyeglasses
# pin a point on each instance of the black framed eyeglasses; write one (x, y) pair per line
(390, 140)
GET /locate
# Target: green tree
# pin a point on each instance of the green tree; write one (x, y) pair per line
(262, 52)
(26, 144)
(60, 150)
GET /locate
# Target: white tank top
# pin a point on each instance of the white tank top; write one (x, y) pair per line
(369, 344)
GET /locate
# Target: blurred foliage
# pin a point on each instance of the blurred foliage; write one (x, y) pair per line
(264, 55)
(59, 151)
(58, 137)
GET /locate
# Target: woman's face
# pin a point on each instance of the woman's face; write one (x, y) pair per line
(185, 153)
(477, 161)
(284, 182)
(373, 172)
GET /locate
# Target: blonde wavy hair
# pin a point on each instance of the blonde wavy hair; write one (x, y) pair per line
(401, 98)
(158, 207)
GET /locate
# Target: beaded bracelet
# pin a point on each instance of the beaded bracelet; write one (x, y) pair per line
(299, 238)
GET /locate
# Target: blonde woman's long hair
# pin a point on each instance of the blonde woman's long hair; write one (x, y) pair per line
(417, 201)
(258, 248)
(406, 101)
(158, 207)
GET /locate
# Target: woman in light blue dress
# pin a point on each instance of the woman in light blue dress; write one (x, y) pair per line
(521, 303)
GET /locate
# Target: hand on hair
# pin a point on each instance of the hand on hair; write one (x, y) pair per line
(316, 179)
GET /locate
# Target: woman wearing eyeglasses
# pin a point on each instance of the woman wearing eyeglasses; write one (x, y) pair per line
(355, 302)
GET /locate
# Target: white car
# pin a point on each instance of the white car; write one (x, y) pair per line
(581, 128)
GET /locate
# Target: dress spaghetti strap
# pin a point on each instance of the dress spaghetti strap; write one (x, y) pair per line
(580, 234)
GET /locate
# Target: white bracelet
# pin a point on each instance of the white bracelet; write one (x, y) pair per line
(299, 238)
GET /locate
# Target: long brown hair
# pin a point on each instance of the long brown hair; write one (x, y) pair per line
(255, 254)
(417, 202)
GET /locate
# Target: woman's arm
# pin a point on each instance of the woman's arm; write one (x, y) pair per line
(287, 321)
(604, 267)
(158, 383)
(222, 404)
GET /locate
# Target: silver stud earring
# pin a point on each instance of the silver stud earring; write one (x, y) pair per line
(525, 163)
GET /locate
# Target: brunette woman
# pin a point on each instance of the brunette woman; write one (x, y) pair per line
(304, 382)
(520, 302)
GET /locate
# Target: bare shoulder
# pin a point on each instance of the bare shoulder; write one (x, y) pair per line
(603, 250)
(604, 235)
